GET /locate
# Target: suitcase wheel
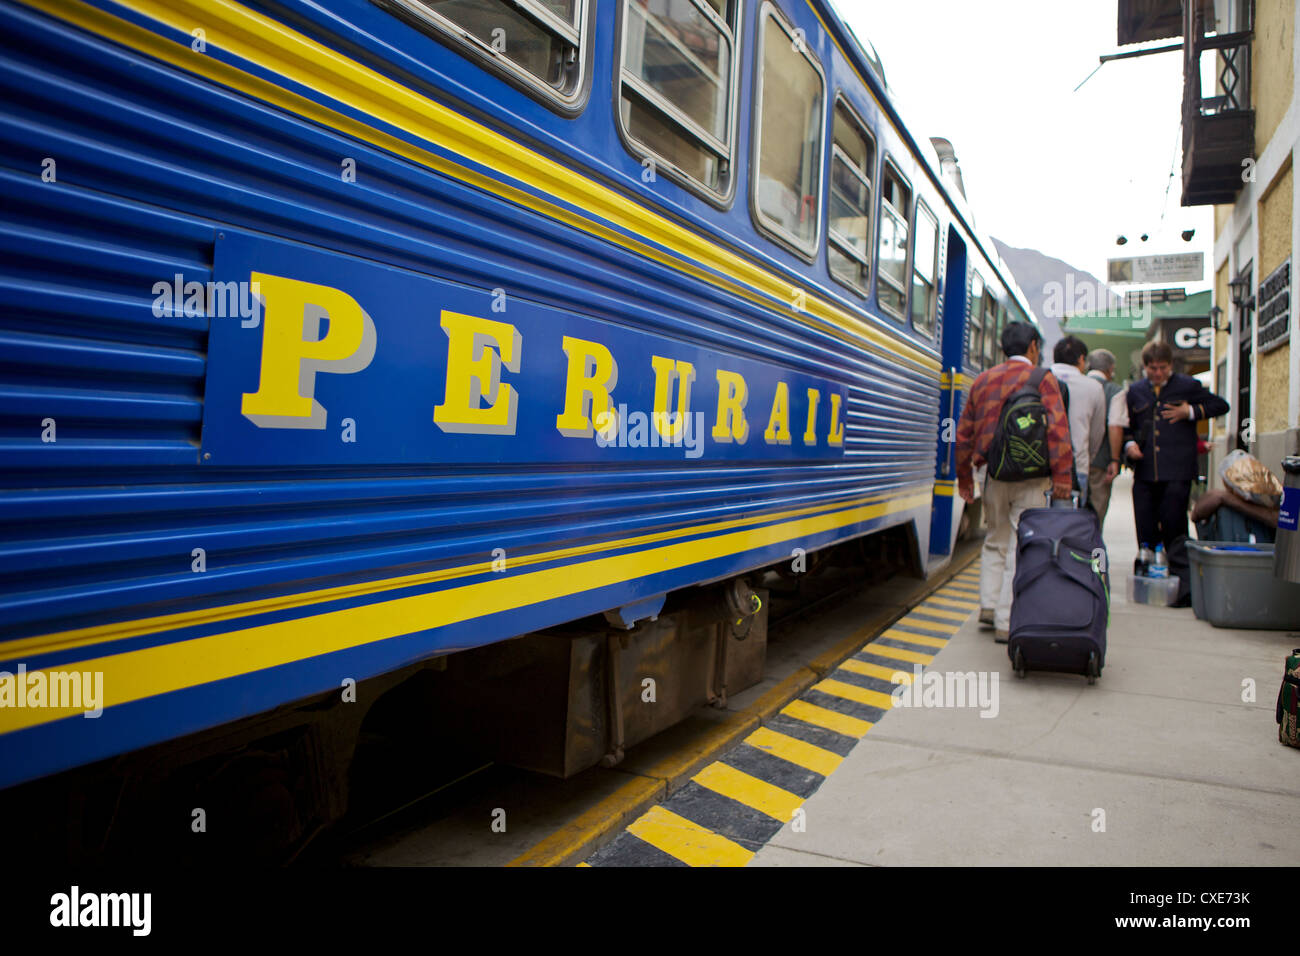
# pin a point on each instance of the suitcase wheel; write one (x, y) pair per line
(1019, 663)
(1093, 671)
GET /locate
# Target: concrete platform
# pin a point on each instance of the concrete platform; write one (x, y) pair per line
(1162, 762)
(555, 822)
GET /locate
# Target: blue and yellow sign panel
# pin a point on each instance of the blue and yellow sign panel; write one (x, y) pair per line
(322, 359)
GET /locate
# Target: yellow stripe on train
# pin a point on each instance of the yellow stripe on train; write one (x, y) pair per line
(148, 672)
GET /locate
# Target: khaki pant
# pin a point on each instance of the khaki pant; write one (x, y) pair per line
(1003, 503)
(1098, 493)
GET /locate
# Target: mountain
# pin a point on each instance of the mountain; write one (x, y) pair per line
(1047, 283)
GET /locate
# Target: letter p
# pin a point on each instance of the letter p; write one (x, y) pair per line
(294, 350)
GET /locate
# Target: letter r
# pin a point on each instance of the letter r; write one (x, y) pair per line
(591, 377)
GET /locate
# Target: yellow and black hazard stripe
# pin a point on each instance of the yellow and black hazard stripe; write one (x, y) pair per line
(728, 810)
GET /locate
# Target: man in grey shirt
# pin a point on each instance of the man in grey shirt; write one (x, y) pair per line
(1101, 368)
(1086, 406)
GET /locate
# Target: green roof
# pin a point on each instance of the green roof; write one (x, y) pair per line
(1122, 322)
(1115, 330)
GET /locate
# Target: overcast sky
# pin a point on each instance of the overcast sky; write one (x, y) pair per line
(1045, 167)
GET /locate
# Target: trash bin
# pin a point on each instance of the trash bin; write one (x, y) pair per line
(1286, 553)
(1232, 587)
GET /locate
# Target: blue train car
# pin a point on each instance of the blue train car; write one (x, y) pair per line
(337, 338)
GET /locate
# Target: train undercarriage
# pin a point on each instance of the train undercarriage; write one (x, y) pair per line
(557, 701)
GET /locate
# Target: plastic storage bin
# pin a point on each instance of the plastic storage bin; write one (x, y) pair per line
(1233, 586)
(1161, 592)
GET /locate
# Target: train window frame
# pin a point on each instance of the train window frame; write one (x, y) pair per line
(808, 251)
(930, 329)
(731, 28)
(1015, 313)
(989, 354)
(838, 243)
(578, 35)
(1004, 315)
(889, 163)
(975, 319)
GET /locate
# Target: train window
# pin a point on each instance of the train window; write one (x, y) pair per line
(891, 279)
(1015, 313)
(537, 44)
(924, 266)
(677, 88)
(853, 161)
(788, 149)
(975, 317)
(991, 334)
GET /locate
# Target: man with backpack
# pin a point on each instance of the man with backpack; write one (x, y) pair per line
(1014, 422)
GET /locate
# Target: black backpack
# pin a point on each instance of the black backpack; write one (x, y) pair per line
(1018, 451)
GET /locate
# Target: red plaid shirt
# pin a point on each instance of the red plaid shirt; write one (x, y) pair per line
(979, 419)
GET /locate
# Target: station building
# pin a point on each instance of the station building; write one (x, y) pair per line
(1241, 130)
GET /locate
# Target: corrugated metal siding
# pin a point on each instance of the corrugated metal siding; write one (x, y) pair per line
(151, 164)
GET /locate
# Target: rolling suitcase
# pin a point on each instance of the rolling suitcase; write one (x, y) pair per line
(1060, 604)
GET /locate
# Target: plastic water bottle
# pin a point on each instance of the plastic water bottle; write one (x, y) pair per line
(1144, 560)
(1159, 566)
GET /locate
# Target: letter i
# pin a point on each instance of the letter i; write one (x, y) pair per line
(810, 436)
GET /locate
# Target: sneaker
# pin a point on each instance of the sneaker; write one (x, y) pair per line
(1001, 637)
(986, 618)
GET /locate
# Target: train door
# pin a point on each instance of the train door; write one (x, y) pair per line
(946, 510)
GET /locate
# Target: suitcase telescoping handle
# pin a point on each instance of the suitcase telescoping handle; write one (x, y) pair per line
(1074, 497)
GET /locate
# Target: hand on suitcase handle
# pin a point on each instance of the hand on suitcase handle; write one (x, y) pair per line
(1061, 502)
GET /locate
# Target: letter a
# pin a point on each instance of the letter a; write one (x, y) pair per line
(778, 423)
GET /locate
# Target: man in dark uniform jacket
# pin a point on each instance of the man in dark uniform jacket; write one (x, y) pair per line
(1160, 444)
